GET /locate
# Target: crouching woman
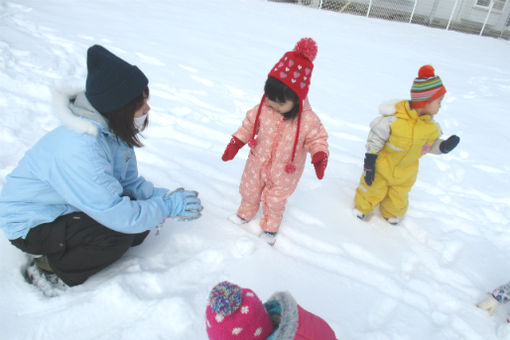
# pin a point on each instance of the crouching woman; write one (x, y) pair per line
(75, 199)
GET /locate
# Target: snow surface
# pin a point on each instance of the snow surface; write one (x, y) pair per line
(207, 62)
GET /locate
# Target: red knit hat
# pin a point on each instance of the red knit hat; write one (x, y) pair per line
(294, 69)
(426, 87)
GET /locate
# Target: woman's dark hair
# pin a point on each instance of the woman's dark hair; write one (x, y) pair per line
(121, 121)
(278, 92)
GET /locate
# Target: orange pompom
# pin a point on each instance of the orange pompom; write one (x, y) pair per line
(307, 47)
(426, 71)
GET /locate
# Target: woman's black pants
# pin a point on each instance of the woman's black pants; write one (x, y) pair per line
(77, 246)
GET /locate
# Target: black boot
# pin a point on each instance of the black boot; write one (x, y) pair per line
(45, 280)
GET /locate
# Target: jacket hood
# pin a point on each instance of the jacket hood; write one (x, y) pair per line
(75, 111)
(289, 317)
(388, 108)
(401, 109)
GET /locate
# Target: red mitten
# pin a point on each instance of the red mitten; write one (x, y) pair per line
(232, 148)
(320, 161)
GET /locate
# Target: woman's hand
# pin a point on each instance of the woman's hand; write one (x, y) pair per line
(183, 204)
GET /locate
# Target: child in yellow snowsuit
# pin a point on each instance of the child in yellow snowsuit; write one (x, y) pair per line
(403, 133)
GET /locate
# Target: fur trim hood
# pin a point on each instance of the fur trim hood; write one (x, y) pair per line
(75, 111)
(290, 317)
(296, 323)
(388, 108)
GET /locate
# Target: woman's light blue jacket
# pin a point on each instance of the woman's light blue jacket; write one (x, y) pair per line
(79, 166)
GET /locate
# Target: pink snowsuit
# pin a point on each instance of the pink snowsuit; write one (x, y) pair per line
(264, 178)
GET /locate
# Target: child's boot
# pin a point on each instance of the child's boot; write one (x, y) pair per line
(359, 214)
(393, 220)
(268, 237)
(489, 304)
(236, 219)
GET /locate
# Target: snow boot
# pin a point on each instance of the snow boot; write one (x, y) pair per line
(237, 220)
(359, 214)
(268, 237)
(46, 281)
(43, 264)
(393, 220)
(489, 304)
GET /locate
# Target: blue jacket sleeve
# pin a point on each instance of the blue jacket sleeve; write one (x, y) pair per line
(137, 186)
(83, 176)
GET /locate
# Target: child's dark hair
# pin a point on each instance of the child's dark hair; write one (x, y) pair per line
(278, 92)
(121, 121)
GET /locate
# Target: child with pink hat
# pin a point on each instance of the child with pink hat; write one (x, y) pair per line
(235, 313)
(280, 131)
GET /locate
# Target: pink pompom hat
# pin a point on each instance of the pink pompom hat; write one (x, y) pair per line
(236, 313)
(294, 69)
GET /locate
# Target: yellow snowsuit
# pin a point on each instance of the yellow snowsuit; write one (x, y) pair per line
(399, 137)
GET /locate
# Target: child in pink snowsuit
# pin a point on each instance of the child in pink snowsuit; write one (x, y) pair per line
(286, 129)
(235, 313)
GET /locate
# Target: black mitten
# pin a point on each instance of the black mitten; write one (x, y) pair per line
(369, 167)
(449, 144)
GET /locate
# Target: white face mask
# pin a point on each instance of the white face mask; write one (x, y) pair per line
(139, 122)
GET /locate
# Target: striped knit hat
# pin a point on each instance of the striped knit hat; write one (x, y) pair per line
(294, 69)
(426, 87)
(235, 313)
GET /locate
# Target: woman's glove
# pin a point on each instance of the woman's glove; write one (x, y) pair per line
(232, 149)
(369, 167)
(320, 161)
(449, 144)
(183, 204)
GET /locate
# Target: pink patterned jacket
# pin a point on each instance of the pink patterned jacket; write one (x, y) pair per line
(275, 140)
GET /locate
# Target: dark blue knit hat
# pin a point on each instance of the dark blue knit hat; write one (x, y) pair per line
(111, 81)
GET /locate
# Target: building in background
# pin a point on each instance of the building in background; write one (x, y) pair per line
(483, 17)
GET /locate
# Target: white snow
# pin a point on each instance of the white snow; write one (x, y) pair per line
(207, 62)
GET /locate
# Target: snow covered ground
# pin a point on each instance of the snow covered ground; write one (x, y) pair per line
(207, 62)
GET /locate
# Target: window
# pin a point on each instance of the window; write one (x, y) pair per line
(498, 4)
